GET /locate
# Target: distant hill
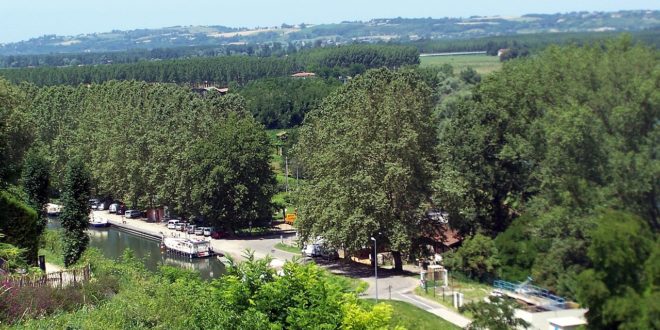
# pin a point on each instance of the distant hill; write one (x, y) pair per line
(385, 29)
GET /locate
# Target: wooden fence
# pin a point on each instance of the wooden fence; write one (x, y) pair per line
(56, 279)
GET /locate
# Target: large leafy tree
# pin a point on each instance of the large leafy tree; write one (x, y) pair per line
(232, 179)
(368, 154)
(621, 287)
(75, 213)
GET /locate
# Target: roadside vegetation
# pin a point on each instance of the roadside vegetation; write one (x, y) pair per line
(288, 248)
(123, 294)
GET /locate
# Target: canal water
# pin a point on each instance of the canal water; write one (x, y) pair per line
(112, 243)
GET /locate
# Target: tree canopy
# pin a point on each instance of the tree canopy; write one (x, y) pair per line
(545, 143)
(367, 152)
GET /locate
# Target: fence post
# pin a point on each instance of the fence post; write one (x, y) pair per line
(61, 280)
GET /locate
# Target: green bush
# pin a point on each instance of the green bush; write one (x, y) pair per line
(19, 224)
(477, 258)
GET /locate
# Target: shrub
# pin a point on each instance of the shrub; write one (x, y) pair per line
(32, 302)
(477, 258)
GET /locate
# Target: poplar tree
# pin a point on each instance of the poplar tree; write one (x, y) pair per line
(75, 214)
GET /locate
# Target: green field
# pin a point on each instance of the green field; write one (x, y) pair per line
(482, 63)
(412, 317)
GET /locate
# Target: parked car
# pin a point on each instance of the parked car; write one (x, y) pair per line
(93, 202)
(207, 231)
(113, 207)
(133, 214)
(172, 224)
(181, 226)
(199, 231)
(103, 206)
(319, 248)
(311, 250)
(191, 229)
(217, 234)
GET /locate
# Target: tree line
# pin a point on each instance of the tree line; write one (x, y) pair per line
(223, 70)
(283, 102)
(155, 144)
(137, 55)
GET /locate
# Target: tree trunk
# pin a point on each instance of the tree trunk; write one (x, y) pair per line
(398, 264)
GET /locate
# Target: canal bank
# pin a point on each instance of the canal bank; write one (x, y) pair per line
(261, 246)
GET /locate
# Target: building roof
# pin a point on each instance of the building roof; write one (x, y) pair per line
(303, 74)
(219, 90)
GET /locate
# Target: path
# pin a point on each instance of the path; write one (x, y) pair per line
(53, 268)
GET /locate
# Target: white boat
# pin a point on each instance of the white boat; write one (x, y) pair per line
(53, 210)
(188, 247)
(98, 222)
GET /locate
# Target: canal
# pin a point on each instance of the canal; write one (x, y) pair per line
(112, 243)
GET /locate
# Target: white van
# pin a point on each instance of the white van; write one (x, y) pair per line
(113, 207)
(172, 224)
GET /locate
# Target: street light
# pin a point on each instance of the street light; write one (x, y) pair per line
(376, 266)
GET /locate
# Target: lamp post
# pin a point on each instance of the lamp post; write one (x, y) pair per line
(376, 266)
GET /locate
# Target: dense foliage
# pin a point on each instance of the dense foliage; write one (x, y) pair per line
(222, 70)
(35, 180)
(158, 144)
(478, 258)
(284, 102)
(553, 138)
(249, 296)
(15, 132)
(19, 225)
(368, 153)
(76, 189)
(620, 288)
(137, 55)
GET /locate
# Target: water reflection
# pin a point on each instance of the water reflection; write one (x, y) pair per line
(112, 243)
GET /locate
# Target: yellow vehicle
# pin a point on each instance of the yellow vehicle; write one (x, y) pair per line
(290, 218)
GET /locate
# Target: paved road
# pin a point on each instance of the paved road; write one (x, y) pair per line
(399, 287)
(395, 286)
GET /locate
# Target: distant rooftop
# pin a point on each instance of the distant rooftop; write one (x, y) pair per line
(303, 74)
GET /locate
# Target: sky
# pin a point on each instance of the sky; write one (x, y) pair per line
(21, 20)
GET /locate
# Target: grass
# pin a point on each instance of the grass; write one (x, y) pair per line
(483, 64)
(52, 258)
(287, 248)
(349, 283)
(412, 317)
(472, 291)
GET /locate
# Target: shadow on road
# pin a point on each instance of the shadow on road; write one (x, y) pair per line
(358, 270)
